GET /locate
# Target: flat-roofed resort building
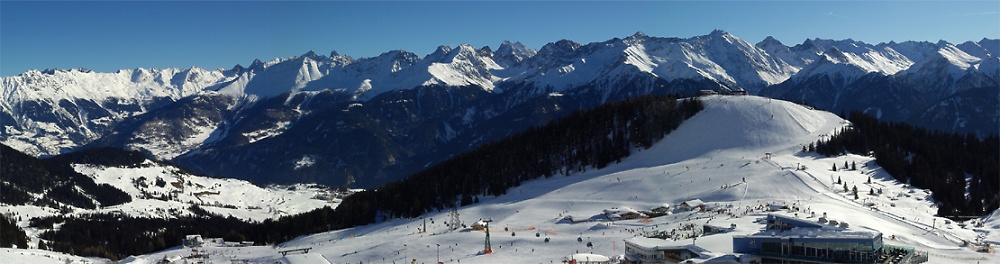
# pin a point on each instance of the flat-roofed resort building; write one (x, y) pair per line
(791, 240)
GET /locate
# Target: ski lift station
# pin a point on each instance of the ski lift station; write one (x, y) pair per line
(791, 240)
(655, 250)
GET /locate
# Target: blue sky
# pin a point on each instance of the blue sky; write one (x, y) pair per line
(107, 36)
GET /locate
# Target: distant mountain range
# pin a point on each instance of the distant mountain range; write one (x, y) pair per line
(343, 121)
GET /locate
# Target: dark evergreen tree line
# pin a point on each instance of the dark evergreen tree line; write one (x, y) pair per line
(961, 170)
(24, 174)
(116, 236)
(10, 234)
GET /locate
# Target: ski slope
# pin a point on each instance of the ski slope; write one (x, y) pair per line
(739, 155)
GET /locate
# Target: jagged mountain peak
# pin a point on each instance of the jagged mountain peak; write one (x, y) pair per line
(719, 33)
(638, 36)
(560, 46)
(991, 45)
(942, 43)
(485, 51)
(983, 49)
(834, 54)
(807, 44)
(442, 49)
(439, 54)
(257, 64)
(312, 55)
(448, 54)
(516, 48)
(237, 68)
(399, 55)
(509, 54)
(974, 49)
(562, 50)
(770, 41)
(338, 59)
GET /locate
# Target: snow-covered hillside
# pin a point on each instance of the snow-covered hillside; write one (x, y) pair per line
(165, 191)
(740, 155)
(35, 256)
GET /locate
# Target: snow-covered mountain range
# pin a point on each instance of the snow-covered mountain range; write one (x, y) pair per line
(340, 120)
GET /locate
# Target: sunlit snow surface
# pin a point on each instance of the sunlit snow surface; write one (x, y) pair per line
(226, 197)
(707, 158)
(35, 256)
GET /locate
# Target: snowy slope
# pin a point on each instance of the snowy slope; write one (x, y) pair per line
(226, 197)
(35, 256)
(719, 156)
(949, 61)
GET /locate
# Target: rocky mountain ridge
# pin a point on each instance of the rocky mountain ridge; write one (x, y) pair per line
(364, 121)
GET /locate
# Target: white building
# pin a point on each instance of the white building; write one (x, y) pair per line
(193, 241)
(655, 250)
(623, 213)
(692, 204)
(662, 209)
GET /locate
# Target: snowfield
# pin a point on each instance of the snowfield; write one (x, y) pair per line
(741, 156)
(226, 197)
(35, 256)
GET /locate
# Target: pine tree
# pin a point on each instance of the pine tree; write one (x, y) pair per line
(854, 166)
(872, 192)
(838, 180)
(834, 167)
(869, 179)
(845, 187)
(845, 165)
(804, 148)
(855, 190)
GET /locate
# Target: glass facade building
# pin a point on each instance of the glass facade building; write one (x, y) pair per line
(791, 240)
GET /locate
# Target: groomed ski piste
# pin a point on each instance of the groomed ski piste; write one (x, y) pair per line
(741, 156)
